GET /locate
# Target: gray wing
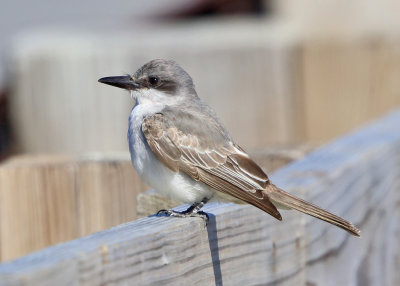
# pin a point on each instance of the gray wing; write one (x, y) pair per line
(224, 166)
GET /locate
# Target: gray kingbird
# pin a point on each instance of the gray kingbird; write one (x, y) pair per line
(180, 148)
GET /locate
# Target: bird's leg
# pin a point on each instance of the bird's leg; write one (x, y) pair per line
(192, 211)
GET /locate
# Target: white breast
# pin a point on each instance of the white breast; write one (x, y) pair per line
(177, 186)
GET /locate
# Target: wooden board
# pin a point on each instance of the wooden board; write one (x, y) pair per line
(347, 82)
(356, 177)
(45, 200)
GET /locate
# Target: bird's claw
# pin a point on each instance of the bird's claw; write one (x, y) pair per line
(173, 213)
(163, 212)
(204, 216)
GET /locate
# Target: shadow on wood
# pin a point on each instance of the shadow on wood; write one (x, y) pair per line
(214, 249)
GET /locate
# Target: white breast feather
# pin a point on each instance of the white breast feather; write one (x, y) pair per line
(177, 186)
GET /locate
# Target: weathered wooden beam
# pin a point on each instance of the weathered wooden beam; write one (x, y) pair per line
(356, 177)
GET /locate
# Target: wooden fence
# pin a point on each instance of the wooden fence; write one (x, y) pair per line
(356, 177)
(48, 199)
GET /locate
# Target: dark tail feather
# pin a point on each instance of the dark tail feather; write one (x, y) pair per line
(287, 200)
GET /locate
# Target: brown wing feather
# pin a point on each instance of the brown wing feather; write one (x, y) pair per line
(225, 168)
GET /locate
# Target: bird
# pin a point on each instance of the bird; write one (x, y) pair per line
(180, 148)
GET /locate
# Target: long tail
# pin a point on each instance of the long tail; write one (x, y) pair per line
(283, 199)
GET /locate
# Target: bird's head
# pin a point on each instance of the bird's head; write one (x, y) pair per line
(157, 81)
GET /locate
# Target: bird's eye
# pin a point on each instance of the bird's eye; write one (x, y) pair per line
(153, 80)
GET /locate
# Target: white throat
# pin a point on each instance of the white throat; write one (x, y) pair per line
(152, 96)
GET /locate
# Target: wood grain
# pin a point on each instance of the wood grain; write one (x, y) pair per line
(357, 176)
(45, 200)
(347, 82)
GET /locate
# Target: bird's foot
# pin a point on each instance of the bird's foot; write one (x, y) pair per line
(192, 211)
(186, 213)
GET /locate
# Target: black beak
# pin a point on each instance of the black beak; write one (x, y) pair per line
(125, 82)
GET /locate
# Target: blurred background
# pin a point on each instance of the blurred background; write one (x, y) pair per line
(282, 75)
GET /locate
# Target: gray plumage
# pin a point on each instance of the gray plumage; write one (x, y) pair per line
(179, 147)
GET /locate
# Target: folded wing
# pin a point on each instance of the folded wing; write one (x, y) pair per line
(224, 166)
